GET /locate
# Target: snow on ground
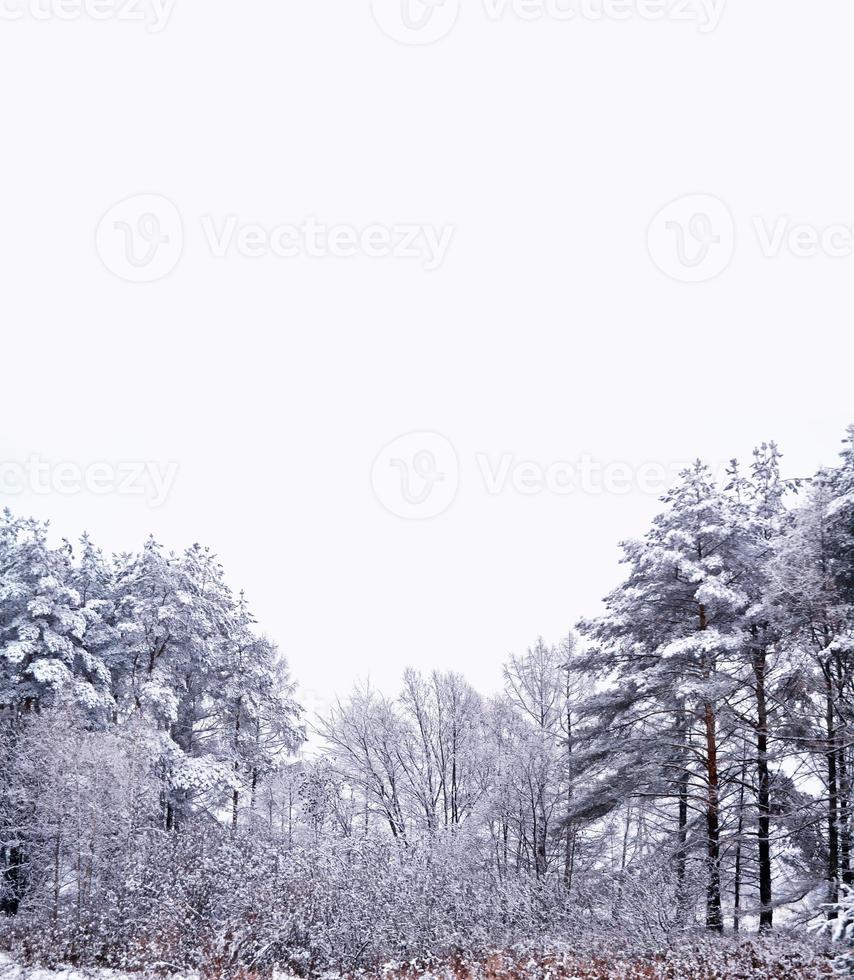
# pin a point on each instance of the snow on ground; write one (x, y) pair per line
(10, 970)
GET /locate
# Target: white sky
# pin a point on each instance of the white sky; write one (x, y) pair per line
(547, 334)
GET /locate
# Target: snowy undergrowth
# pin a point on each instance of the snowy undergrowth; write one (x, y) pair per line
(787, 959)
(10, 970)
(784, 957)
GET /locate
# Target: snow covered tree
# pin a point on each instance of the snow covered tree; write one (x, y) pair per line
(667, 644)
(43, 625)
(256, 714)
(814, 615)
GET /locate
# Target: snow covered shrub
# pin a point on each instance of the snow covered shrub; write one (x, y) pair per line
(841, 930)
(646, 908)
(75, 804)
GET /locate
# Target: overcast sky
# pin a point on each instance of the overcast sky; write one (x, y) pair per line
(509, 288)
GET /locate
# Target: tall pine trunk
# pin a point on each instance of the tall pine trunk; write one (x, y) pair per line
(714, 913)
(736, 899)
(843, 782)
(763, 793)
(682, 822)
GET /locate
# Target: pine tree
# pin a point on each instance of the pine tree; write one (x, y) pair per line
(668, 640)
(43, 625)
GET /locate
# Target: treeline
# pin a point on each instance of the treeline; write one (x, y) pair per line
(728, 668)
(142, 674)
(682, 762)
(697, 736)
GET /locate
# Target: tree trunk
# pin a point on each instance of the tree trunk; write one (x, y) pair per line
(57, 852)
(843, 783)
(569, 866)
(253, 795)
(763, 794)
(682, 823)
(736, 900)
(624, 854)
(832, 796)
(570, 829)
(714, 914)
